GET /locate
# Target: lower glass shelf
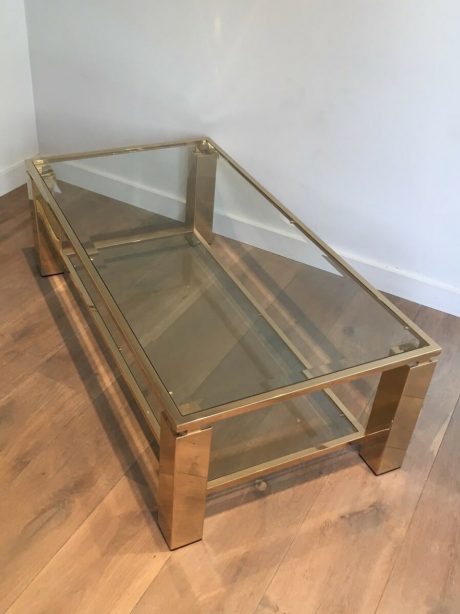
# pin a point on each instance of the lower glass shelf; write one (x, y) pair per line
(280, 435)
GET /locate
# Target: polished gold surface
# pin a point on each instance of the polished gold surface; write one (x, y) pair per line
(184, 465)
(47, 237)
(255, 399)
(200, 193)
(398, 402)
(39, 162)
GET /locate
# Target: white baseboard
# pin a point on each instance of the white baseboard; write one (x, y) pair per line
(405, 284)
(120, 188)
(12, 177)
(408, 284)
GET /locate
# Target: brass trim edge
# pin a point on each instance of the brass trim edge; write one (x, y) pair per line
(284, 462)
(115, 352)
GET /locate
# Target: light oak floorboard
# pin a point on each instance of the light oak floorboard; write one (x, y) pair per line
(108, 562)
(426, 576)
(54, 479)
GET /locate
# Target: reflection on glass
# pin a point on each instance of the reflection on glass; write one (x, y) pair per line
(276, 432)
(260, 308)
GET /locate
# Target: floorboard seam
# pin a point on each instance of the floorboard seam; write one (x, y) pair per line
(90, 513)
(289, 546)
(148, 587)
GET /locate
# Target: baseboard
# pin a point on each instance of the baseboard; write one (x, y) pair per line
(405, 284)
(12, 177)
(124, 189)
(408, 284)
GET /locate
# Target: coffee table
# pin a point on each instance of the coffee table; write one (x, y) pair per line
(228, 318)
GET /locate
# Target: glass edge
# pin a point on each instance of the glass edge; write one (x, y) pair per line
(96, 153)
(232, 408)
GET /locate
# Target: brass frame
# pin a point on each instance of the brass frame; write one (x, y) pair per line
(185, 441)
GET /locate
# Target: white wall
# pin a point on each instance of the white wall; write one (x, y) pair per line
(18, 135)
(347, 110)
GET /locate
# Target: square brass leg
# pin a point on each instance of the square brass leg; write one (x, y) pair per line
(200, 193)
(47, 237)
(396, 407)
(184, 466)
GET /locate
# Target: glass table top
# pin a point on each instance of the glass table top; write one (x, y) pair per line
(254, 308)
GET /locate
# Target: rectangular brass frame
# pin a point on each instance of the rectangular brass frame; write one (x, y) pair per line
(185, 441)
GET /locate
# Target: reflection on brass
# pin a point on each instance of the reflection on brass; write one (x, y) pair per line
(185, 440)
(208, 417)
(205, 147)
(396, 407)
(49, 177)
(184, 465)
(200, 193)
(284, 462)
(129, 238)
(47, 237)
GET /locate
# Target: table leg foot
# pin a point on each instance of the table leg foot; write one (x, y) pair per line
(394, 414)
(184, 466)
(47, 237)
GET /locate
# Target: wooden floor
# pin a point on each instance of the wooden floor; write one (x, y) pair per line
(78, 480)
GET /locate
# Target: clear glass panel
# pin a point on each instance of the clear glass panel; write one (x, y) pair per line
(299, 424)
(332, 321)
(206, 340)
(123, 196)
(258, 308)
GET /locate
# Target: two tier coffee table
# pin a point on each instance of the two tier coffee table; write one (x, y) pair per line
(229, 320)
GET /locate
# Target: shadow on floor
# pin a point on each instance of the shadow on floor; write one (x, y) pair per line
(118, 435)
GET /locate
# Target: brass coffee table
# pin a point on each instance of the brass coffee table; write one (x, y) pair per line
(228, 318)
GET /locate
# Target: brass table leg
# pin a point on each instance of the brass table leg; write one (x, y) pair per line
(396, 407)
(200, 192)
(184, 465)
(47, 237)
